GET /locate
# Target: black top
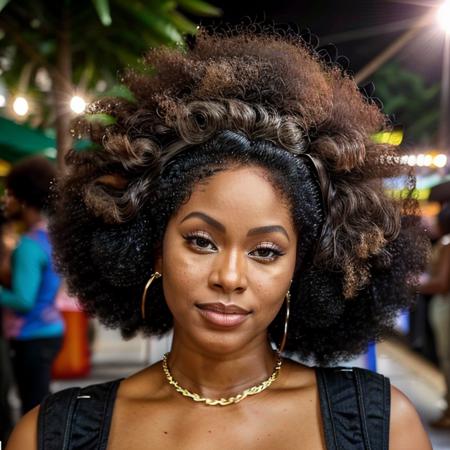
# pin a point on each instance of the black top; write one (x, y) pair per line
(355, 407)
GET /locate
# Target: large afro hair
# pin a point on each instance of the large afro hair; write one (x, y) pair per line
(243, 99)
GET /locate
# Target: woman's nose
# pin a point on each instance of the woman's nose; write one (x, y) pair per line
(229, 272)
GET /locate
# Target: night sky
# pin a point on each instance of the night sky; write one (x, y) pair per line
(332, 20)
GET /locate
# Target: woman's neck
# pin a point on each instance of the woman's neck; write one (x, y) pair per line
(33, 219)
(217, 375)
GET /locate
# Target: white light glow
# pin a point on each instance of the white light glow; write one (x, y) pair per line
(412, 160)
(428, 160)
(440, 160)
(420, 161)
(77, 104)
(20, 106)
(443, 16)
(2, 101)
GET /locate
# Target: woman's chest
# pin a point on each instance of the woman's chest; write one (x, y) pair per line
(264, 426)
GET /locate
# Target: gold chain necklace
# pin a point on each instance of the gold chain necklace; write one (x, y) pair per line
(222, 401)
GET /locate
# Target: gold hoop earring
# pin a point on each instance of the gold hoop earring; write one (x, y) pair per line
(286, 322)
(153, 277)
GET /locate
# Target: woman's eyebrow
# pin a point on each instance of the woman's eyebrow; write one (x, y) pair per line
(268, 229)
(214, 223)
(209, 220)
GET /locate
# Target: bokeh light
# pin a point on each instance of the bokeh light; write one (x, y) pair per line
(436, 160)
(440, 160)
(77, 104)
(20, 106)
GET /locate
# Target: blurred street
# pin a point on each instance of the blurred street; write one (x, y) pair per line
(420, 381)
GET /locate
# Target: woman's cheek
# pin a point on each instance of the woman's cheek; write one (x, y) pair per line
(268, 300)
(184, 285)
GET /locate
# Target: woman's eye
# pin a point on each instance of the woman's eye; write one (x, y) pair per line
(267, 253)
(200, 242)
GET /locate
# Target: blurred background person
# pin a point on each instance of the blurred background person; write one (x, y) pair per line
(32, 323)
(7, 243)
(437, 283)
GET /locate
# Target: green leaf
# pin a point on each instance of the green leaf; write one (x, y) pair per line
(101, 118)
(156, 23)
(200, 7)
(183, 24)
(120, 90)
(3, 3)
(102, 7)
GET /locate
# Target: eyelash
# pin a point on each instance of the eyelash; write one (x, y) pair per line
(193, 238)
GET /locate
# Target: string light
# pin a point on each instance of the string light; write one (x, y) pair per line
(438, 160)
(20, 106)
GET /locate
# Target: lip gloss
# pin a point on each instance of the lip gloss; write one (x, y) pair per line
(222, 319)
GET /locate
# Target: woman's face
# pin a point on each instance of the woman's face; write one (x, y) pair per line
(12, 207)
(227, 261)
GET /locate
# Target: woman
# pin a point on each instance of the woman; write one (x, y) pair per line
(32, 323)
(237, 201)
(437, 284)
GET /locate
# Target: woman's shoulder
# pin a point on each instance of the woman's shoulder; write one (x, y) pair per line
(47, 422)
(384, 405)
(406, 429)
(24, 434)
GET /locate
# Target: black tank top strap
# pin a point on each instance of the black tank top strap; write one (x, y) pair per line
(355, 406)
(77, 418)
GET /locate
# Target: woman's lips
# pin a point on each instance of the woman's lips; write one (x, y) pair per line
(222, 315)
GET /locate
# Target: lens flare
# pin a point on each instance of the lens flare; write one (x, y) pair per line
(443, 16)
(77, 104)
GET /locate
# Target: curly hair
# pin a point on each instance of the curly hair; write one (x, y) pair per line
(30, 181)
(243, 99)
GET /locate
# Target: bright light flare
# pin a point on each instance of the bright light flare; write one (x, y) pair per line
(77, 104)
(440, 160)
(443, 16)
(2, 101)
(20, 106)
(412, 160)
(428, 161)
(420, 161)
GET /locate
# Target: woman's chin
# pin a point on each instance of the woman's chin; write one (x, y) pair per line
(223, 344)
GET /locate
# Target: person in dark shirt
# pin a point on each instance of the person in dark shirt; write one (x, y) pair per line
(6, 421)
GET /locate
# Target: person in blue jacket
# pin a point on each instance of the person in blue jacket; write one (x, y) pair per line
(32, 323)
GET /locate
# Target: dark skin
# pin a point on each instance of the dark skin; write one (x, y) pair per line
(233, 260)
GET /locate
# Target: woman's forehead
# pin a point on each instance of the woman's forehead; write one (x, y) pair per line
(242, 194)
